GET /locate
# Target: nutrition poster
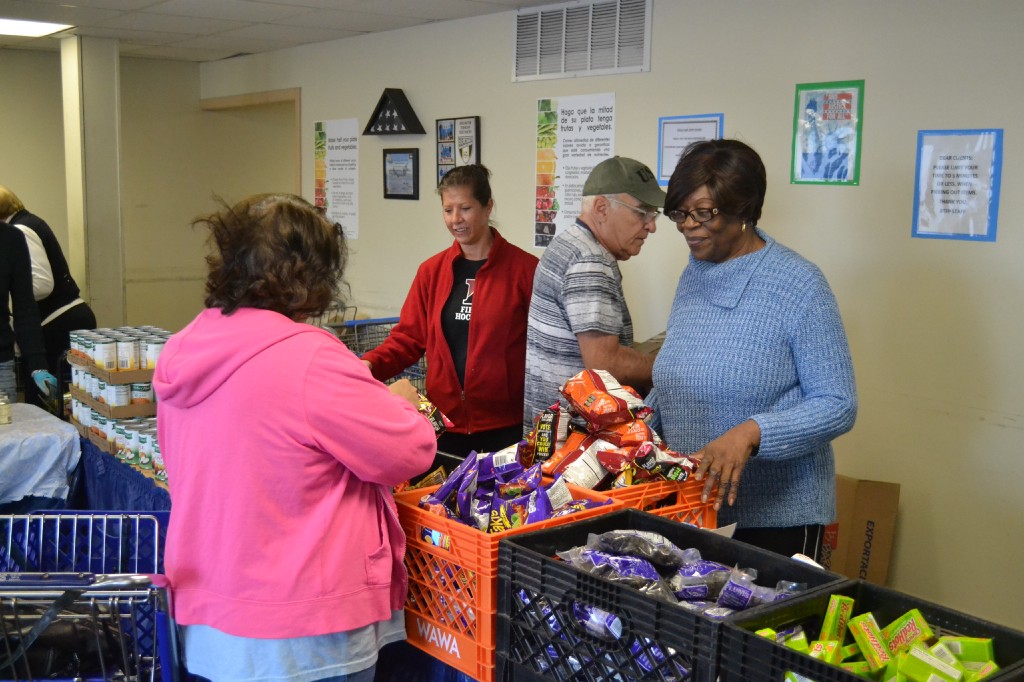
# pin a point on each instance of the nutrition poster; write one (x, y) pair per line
(336, 172)
(676, 133)
(574, 134)
(957, 184)
(827, 125)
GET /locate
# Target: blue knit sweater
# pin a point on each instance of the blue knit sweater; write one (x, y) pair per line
(760, 337)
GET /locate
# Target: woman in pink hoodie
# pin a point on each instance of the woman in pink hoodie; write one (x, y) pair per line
(284, 551)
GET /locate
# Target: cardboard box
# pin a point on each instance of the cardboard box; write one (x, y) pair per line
(859, 544)
(652, 345)
(131, 376)
(115, 412)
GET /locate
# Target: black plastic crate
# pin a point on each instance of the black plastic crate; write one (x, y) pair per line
(449, 462)
(658, 639)
(749, 657)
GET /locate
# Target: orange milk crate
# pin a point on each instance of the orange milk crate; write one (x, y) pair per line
(451, 610)
(671, 500)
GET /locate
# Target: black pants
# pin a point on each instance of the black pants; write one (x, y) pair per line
(460, 444)
(57, 340)
(804, 540)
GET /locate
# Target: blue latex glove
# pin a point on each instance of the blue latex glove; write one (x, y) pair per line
(45, 382)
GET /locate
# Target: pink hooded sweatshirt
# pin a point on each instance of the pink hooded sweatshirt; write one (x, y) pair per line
(281, 450)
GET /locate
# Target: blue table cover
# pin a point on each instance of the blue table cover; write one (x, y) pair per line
(112, 485)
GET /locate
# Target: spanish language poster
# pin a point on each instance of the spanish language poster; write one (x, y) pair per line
(574, 134)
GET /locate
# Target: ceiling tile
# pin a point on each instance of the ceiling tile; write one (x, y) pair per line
(236, 10)
(434, 10)
(352, 21)
(173, 27)
(144, 21)
(185, 54)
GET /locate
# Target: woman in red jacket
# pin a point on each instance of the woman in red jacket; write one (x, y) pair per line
(467, 311)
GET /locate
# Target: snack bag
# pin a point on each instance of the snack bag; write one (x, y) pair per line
(433, 415)
(550, 430)
(574, 445)
(601, 400)
(629, 434)
(667, 464)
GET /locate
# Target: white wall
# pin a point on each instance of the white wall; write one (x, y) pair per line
(176, 158)
(935, 326)
(32, 135)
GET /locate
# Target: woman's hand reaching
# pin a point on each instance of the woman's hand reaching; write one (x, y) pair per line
(723, 459)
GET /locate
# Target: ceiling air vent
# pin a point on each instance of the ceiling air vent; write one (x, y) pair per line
(591, 38)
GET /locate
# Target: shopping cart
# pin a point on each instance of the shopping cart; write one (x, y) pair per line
(362, 336)
(335, 316)
(75, 603)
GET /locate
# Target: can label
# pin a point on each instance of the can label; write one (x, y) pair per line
(105, 354)
(127, 355)
(153, 349)
(142, 393)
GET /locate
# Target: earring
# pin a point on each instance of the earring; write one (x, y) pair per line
(743, 228)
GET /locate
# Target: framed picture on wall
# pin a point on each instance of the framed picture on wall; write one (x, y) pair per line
(827, 124)
(957, 184)
(458, 143)
(401, 173)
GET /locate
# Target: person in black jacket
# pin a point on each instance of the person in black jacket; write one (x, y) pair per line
(61, 309)
(16, 287)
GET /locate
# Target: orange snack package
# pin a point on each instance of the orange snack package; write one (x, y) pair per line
(601, 400)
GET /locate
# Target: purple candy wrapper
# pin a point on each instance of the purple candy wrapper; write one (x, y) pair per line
(522, 484)
(698, 579)
(596, 622)
(501, 466)
(445, 491)
(624, 569)
(741, 593)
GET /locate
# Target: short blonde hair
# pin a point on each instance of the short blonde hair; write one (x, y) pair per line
(9, 203)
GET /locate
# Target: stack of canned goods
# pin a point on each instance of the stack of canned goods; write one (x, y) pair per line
(121, 349)
(133, 441)
(114, 395)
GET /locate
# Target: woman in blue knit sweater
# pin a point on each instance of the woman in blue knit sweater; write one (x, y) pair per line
(755, 375)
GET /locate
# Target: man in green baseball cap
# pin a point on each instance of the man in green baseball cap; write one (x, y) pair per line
(620, 205)
(578, 315)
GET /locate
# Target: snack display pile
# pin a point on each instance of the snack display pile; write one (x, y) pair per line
(631, 595)
(599, 438)
(862, 631)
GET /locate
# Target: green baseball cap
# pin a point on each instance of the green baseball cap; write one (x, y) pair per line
(622, 175)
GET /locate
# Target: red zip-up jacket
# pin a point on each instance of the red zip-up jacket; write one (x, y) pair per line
(496, 358)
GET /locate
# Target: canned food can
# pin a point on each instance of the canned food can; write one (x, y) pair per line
(101, 391)
(75, 342)
(140, 444)
(142, 393)
(118, 395)
(158, 463)
(119, 436)
(105, 353)
(154, 345)
(98, 424)
(147, 439)
(88, 342)
(127, 353)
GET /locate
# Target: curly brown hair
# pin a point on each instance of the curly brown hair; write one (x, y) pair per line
(274, 252)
